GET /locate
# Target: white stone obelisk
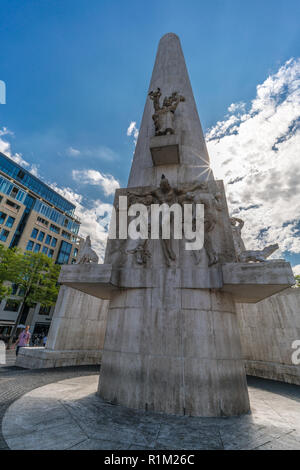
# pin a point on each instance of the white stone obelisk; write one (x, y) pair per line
(173, 345)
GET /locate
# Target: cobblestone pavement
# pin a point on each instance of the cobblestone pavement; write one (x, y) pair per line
(15, 382)
(73, 417)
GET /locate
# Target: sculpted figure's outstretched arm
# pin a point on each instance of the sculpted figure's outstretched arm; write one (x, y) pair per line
(155, 96)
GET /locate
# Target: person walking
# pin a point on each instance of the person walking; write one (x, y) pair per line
(23, 340)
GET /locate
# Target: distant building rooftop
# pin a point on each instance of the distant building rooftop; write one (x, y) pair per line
(31, 182)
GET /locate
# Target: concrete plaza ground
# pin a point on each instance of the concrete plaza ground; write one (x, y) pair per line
(58, 409)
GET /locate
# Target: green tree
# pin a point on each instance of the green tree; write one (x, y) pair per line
(297, 280)
(7, 259)
(36, 276)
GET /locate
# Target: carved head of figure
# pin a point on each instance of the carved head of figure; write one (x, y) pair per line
(167, 102)
(164, 184)
(233, 221)
(148, 200)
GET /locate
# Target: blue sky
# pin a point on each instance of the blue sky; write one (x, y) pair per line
(77, 73)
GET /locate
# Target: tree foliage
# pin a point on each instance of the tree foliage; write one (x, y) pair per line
(7, 258)
(297, 280)
(35, 275)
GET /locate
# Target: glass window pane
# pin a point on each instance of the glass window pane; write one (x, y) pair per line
(4, 234)
(48, 239)
(10, 221)
(37, 247)
(41, 236)
(29, 245)
(2, 217)
(34, 233)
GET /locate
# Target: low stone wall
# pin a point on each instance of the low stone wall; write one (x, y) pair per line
(76, 335)
(268, 330)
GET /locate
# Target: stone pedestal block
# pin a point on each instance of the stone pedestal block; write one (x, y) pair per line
(174, 350)
(165, 149)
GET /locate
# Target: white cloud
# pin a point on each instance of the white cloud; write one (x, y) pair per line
(72, 152)
(296, 270)
(237, 107)
(5, 147)
(102, 152)
(257, 154)
(108, 183)
(133, 131)
(94, 216)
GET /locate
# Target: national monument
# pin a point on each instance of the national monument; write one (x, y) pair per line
(172, 341)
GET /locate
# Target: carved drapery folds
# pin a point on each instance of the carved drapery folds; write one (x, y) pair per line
(193, 193)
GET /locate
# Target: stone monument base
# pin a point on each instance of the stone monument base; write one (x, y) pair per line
(41, 358)
(274, 371)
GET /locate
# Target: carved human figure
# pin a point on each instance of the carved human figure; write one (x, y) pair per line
(236, 227)
(163, 116)
(246, 256)
(258, 256)
(163, 194)
(141, 251)
(210, 221)
(86, 254)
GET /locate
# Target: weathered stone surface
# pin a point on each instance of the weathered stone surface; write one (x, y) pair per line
(268, 330)
(92, 279)
(252, 282)
(76, 334)
(41, 358)
(165, 149)
(69, 415)
(170, 74)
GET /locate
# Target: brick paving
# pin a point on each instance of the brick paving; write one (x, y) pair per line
(15, 382)
(273, 424)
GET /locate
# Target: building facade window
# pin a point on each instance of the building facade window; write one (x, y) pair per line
(2, 217)
(64, 253)
(29, 245)
(13, 170)
(54, 228)
(12, 305)
(34, 233)
(12, 204)
(43, 221)
(75, 252)
(50, 254)
(3, 235)
(54, 241)
(48, 239)
(37, 247)
(41, 236)
(44, 310)
(10, 221)
(44, 250)
(66, 235)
